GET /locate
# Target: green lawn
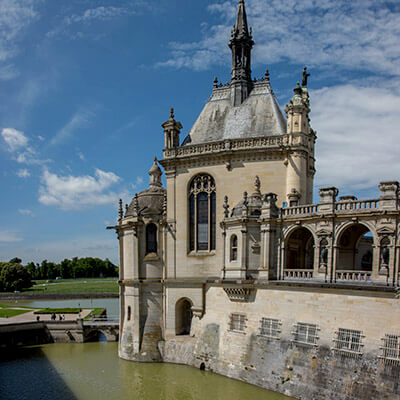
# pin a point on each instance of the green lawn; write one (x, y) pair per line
(58, 311)
(72, 286)
(9, 312)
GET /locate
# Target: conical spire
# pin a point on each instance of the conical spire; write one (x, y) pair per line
(241, 44)
(240, 28)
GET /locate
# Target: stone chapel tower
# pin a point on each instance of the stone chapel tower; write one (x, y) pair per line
(173, 240)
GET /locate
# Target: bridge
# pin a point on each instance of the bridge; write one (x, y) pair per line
(78, 331)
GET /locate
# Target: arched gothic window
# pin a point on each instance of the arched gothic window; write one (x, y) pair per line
(202, 213)
(234, 247)
(151, 239)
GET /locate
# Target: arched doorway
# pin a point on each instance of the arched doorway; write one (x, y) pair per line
(299, 261)
(355, 253)
(183, 317)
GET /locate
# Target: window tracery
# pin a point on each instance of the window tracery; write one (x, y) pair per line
(202, 213)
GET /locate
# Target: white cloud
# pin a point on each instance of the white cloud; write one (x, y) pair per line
(25, 211)
(8, 72)
(81, 156)
(41, 138)
(15, 139)
(9, 237)
(362, 34)
(138, 182)
(77, 192)
(357, 144)
(23, 173)
(78, 120)
(75, 26)
(100, 13)
(15, 17)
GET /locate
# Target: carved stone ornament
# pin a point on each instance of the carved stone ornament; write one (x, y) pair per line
(255, 247)
(238, 294)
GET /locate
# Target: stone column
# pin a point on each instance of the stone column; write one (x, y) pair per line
(333, 267)
(243, 260)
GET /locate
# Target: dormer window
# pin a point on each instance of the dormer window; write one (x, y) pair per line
(202, 212)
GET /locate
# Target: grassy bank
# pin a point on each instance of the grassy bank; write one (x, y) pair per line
(9, 312)
(75, 286)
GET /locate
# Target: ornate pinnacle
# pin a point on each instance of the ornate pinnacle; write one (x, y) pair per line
(245, 199)
(165, 205)
(136, 205)
(215, 82)
(257, 186)
(171, 115)
(126, 209)
(120, 210)
(226, 207)
(267, 75)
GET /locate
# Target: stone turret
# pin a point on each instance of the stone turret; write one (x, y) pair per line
(301, 139)
(172, 130)
(241, 44)
(141, 241)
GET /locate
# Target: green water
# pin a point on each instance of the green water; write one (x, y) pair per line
(89, 371)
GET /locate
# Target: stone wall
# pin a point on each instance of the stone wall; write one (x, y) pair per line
(280, 364)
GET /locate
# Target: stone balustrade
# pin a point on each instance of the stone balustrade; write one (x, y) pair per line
(356, 205)
(299, 210)
(265, 142)
(298, 273)
(353, 275)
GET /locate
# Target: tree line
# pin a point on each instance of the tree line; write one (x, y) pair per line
(15, 276)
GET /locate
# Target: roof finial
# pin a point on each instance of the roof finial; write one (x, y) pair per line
(171, 115)
(215, 82)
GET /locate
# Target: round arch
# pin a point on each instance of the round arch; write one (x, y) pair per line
(183, 316)
(299, 248)
(348, 224)
(355, 247)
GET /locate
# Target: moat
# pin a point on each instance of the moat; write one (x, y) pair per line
(94, 371)
(76, 371)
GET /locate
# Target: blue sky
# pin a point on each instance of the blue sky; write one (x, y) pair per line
(85, 86)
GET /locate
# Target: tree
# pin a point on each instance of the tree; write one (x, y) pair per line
(15, 260)
(14, 277)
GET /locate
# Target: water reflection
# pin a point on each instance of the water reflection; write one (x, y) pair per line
(26, 373)
(94, 371)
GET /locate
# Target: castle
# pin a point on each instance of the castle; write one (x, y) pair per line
(233, 268)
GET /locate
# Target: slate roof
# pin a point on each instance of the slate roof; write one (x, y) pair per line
(259, 115)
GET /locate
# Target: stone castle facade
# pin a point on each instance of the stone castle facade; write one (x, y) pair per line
(233, 268)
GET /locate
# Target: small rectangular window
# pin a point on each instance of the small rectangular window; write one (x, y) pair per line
(238, 322)
(391, 349)
(305, 333)
(348, 341)
(270, 327)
